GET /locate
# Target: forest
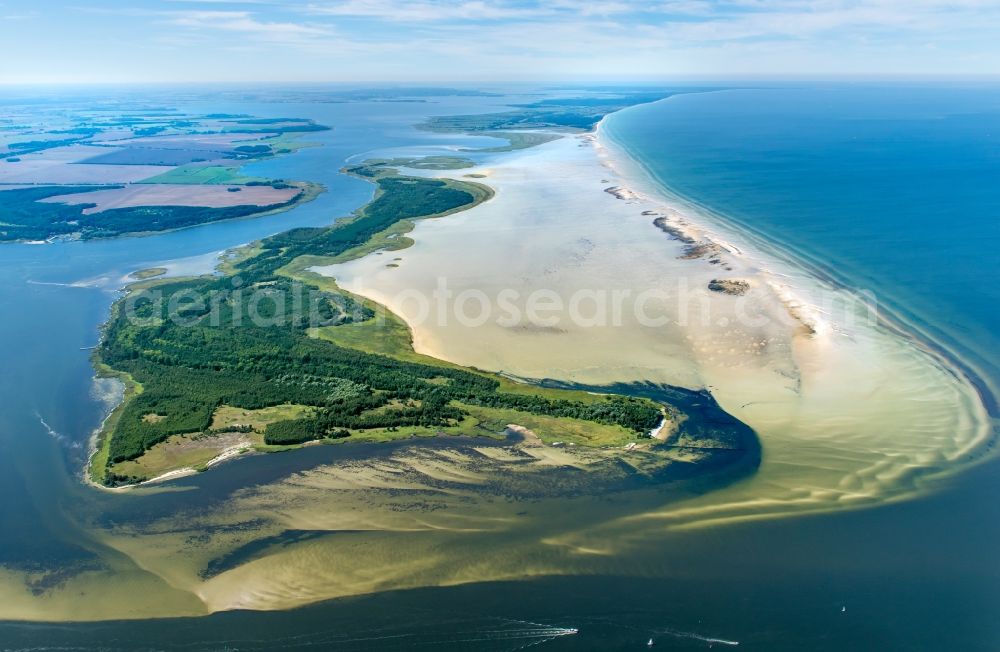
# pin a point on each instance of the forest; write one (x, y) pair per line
(219, 348)
(582, 112)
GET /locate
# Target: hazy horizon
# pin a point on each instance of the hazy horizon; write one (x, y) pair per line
(498, 41)
(551, 84)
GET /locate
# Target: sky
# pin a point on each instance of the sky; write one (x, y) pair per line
(157, 41)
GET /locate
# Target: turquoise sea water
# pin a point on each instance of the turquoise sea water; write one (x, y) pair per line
(895, 190)
(892, 189)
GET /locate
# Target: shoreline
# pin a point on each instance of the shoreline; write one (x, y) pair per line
(890, 316)
(310, 191)
(376, 511)
(294, 269)
(816, 366)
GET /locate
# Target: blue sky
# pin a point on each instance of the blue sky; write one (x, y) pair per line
(85, 41)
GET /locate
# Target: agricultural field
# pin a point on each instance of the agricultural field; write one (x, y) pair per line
(141, 170)
(210, 142)
(203, 174)
(153, 156)
(26, 216)
(57, 166)
(209, 196)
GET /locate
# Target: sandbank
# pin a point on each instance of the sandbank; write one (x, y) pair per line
(849, 412)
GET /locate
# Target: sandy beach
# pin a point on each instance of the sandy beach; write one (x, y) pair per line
(849, 413)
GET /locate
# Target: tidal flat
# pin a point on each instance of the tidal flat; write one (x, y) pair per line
(423, 487)
(798, 359)
(222, 383)
(279, 531)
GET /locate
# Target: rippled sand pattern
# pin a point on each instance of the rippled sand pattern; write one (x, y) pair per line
(849, 413)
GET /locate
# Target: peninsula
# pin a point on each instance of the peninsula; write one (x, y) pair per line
(212, 380)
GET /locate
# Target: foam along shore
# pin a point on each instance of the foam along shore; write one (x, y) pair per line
(849, 412)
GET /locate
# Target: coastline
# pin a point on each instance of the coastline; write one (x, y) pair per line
(728, 433)
(890, 314)
(310, 191)
(634, 168)
(640, 176)
(291, 575)
(638, 171)
(803, 378)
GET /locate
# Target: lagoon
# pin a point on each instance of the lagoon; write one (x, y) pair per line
(918, 573)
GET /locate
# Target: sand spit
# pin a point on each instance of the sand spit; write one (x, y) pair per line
(372, 517)
(849, 413)
(463, 513)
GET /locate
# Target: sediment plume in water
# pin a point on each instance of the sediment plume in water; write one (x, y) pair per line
(848, 412)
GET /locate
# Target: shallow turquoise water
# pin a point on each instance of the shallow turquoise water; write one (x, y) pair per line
(855, 178)
(895, 190)
(55, 298)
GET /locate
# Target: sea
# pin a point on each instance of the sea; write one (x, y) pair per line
(891, 188)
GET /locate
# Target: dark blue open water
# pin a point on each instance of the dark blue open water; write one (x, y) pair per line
(893, 189)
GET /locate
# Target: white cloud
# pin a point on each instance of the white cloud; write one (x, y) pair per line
(224, 2)
(549, 39)
(245, 22)
(428, 11)
(745, 18)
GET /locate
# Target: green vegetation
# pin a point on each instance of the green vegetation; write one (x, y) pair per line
(232, 429)
(252, 150)
(517, 140)
(250, 120)
(175, 453)
(32, 146)
(149, 131)
(576, 113)
(140, 219)
(270, 125)
(552, 429)
(227, 417)
(424, 163)
(254, 354)
(98, 463)
(23, 217)
(391, 337)
(152, 272)
(208, 174)
(278, 144)
(525, 119)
